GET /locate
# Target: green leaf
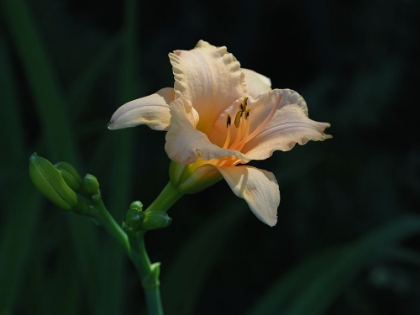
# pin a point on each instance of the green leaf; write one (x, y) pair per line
(194, 262)
(312, 286)
(12, 131)
(84, 84)
(20, 214)
(42, 80)
(16, 240)
(52, 111)
(112, 269)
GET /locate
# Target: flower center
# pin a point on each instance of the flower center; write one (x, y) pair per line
(241, 123)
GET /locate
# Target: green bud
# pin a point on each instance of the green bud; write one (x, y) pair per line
(155, 219)
(49, 181)
(134, 218)
(70, 175)
(90, 185)
(136, 205)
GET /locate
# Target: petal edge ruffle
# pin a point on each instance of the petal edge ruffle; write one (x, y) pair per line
(289, 126)
(210, 78)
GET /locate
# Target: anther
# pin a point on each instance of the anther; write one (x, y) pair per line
(228, 121)
(247, 113)
(238, 118)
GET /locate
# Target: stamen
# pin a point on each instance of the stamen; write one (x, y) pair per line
(247, 113)
(238, 118)
(241, 111)
(228, 123)
(244, 134)
(239, 135)
(243, 129)
(246, 101)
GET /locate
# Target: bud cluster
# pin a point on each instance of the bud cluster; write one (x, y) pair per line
(63, 186)
(137, 220)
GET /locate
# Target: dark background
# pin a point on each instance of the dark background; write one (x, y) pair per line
(347, 237)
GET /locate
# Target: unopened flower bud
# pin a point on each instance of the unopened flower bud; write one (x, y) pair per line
(70, 175)
(49, 181)
(90, 185)
(134, 216)
(136, 205)
(155, 220)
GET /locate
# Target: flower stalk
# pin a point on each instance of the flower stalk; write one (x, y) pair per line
(148, 273)
(169, 195)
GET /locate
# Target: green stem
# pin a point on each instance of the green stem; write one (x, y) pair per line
(166, 198)
(108, 222)
(149, 273)
(135, 247)
(153, 300)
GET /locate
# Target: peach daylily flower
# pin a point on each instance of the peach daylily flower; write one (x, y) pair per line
(218, 117)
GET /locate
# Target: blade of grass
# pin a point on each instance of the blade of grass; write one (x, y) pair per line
(9, 109)
(113, 270)
(194, 262)
(19, 221)
(323, 286)
(37, 295)
(404, 255)
(78, 92)
(318, 296)
(43, 83)
(51, 108)
(64, 299)
(289, 285)
(16, 238)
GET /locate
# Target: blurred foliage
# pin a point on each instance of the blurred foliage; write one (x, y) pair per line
(347, 239)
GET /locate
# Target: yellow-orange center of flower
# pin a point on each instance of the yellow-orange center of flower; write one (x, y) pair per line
(241, 123)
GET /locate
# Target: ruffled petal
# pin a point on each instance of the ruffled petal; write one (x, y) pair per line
(184, 143)
(262, 109)
(256, 83)
(258, 187)
(292, 97)
(152, 110)
(209, 77)
(289, 126)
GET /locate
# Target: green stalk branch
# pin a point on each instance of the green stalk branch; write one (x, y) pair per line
(109, 224)
(148, 273)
